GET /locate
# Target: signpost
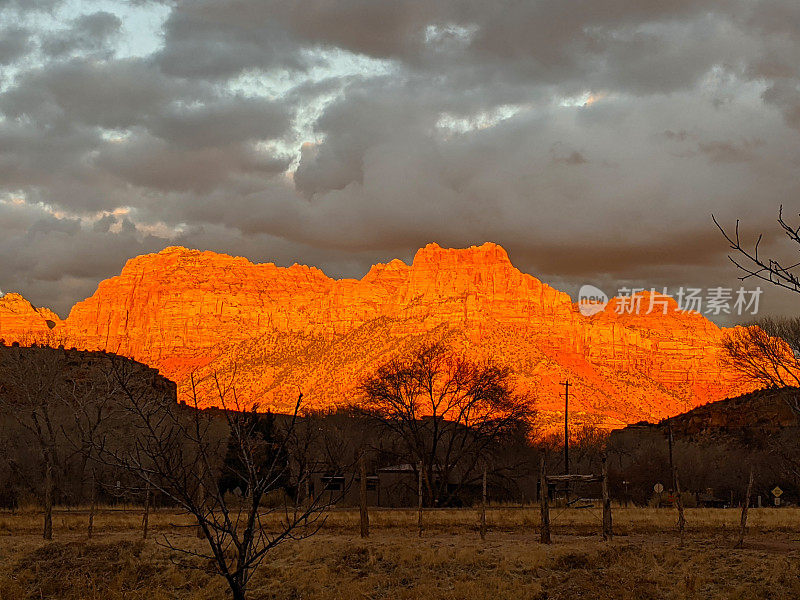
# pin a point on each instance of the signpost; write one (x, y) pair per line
(777, 492)
(658, 489)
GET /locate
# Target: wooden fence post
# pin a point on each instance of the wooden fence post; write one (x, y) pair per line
(608, 533)
(743, 525)
(419, 499)
(146, 515)
(307, 501)
(363, 490)
(483, 507)
(93, 504)
(679, 504)
(544, 505)
(48, 501)
(677, 487)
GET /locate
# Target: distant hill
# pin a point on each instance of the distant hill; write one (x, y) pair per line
(53, 398)
(746, 418)
(70, 365)
(766, 410)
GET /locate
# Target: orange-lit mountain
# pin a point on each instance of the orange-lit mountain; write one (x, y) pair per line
(291, 329)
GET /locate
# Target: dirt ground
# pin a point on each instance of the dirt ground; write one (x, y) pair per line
(449, 561)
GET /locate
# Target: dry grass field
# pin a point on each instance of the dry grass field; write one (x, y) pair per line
(449, 561)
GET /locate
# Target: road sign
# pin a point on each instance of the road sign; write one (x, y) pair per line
(777, 492)
(658, 488)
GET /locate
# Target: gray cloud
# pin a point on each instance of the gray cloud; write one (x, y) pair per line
(88, 34)
(593, 139)
(217, 39)
(14, 43)
(228, 121)
(114, 94)
(26, 6)
(148, 162)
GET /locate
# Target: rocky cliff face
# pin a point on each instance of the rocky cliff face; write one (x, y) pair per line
(288, 328)
(21, 322)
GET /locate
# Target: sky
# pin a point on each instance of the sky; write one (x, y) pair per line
(593, 139)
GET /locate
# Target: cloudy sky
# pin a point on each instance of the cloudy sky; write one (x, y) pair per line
(591, 138)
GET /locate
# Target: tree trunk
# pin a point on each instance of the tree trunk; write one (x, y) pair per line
(201, 501)
(48, 502)
(745, 505)
(308, 501)
(237, 590)
(363, 494)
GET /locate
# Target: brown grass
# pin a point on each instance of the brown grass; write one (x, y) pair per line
(449, 561)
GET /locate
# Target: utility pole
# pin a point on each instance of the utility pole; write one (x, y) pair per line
(566, 427)
(566, 436)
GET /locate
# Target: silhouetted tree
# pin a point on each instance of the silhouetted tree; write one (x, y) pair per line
(752, 263)
(35, 393)
(263, 426)
(449, 412)
(61, 403)
(177, 452)
(766, 352)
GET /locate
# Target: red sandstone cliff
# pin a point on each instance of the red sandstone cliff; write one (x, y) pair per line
(21, 321)
(288, 328)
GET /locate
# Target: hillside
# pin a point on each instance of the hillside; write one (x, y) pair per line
(285, 329)
(759, 412)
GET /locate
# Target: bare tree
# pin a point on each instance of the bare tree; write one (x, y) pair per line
(753, 264)
(177, 451)
(766, 352)
(91, 401)
(63, 403)
(30, 382)
(449, 413)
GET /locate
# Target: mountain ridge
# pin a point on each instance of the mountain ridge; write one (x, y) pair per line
(183, 310)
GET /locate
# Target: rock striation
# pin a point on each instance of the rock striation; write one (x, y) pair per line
(283, 329)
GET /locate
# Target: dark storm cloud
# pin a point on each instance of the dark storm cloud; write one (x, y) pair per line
(14, 42)
(111, 94)
(90, 34)
(224, 122)
(32, 155)
(592, 138)
(219, 39)
(28, 5)
(78, 131)
(54, 262)
(148, 162)
(540, 42)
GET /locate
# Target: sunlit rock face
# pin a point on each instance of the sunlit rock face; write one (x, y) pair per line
(282, 330)
(21, 322)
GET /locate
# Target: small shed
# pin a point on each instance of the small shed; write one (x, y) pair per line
(707, 499)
